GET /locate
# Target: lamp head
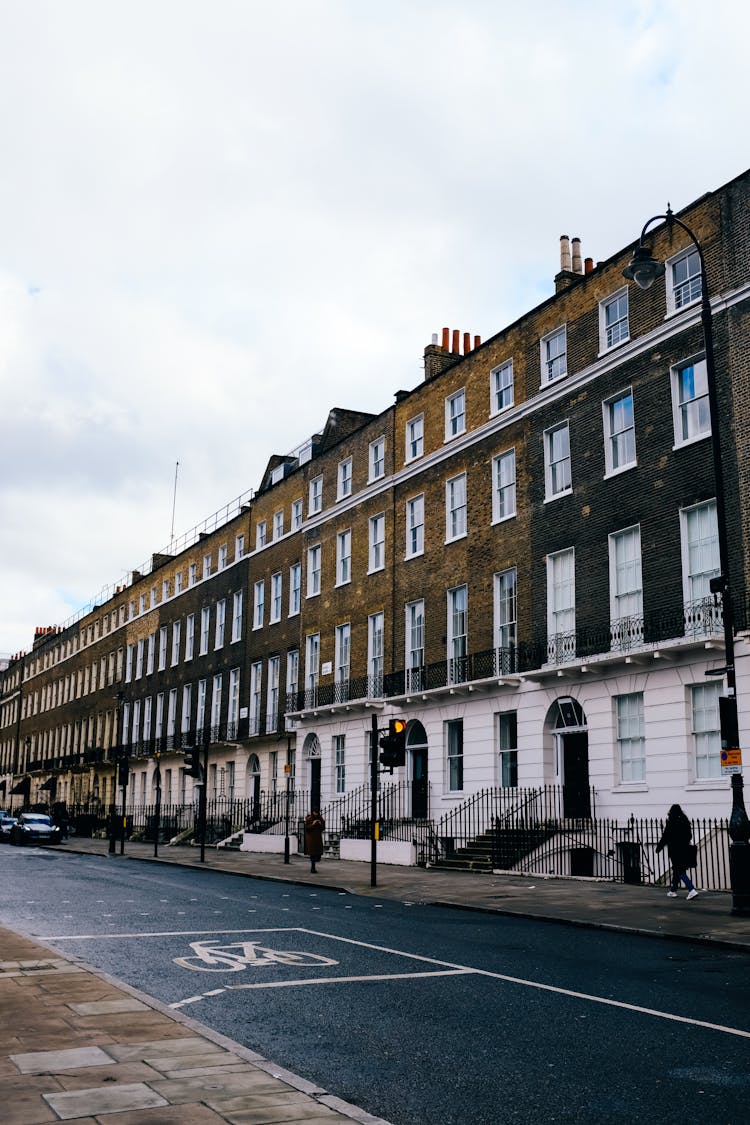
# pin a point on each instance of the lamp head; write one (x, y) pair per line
(643, 268)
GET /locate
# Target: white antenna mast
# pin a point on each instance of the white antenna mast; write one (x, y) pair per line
(174, 503)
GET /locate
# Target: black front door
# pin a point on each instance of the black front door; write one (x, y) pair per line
(315, 783)
(419, 783)
(576, 792)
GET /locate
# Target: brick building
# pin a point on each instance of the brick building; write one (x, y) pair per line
(514, 556)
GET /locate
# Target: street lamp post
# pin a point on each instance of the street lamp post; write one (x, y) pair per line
(644, 270)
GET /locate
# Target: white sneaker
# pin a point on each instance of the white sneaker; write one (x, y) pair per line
(672, 894)
(693, 893)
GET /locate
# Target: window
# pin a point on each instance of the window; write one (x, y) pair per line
(178, 582)
(343, 650)
(455, 414)
(625, 588)
(504, 486)
(415, 526)
(296, 515)
(377, 543)
(454, 745)
(153, 603)
(138, 662)
(172, 713)
(189, 636)
(415, 438)
(561, 606)
(344, 479)
(176, 630)
(187, 692)
(272, 695)
(685, 281)
(557, 461)
(162, 648)
(706, 729)
(506, 625)
(150, 651)
(237, 616)
(292, 679)
(239, 547)
(221, 621)
(631, 742)
(700, 563)
(200, 711)
(554, 355)
(458, 601)
(206, 566)
(259, 602)
(501, 387)
(339, 763)
(273, 760)
(613, 320)
(223, 557)
(275, 598)
(313, 570)
(129, 663)
(507, 748)
(192, 574)
(278, 523)
(455, 508)
(377, 459)
(147, 704)
(312, 669)
(415, 646)
(205, 623)
(256, 683)
(260, 535)
(343, 557)
(159, 718)
(375, 625)
(295, 588)
(142, 603)
(216, 703)
(619, 432)
(315, 501)
(690, 406)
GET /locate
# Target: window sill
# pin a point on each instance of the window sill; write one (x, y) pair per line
(344, 582)
(415, 555)
(555, 378)
(673, 312)
(457, 538)
(376, 570)
(630, 787)
(708, 783)
(501, 410)
(612, 347)
(558, 496)
(452, 437)
(618, 472)
(502, 519)
(315, 594)
(691, 441)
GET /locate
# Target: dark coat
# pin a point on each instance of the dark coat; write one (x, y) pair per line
(676, 838)
(314, 825)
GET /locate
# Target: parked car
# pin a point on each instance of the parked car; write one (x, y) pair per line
(6, 823)
(35, 828)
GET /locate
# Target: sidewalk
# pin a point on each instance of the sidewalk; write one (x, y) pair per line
(78, 1046)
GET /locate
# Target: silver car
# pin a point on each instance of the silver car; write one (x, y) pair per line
(35, 828)
(6, 823)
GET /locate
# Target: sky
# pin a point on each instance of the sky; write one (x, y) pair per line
(219, 219)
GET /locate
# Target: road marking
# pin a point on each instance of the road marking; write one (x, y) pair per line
(173, 933)
(350, 980)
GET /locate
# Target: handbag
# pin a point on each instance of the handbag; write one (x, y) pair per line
(692, 855)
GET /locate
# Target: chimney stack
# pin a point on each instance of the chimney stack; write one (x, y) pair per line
(577, 262)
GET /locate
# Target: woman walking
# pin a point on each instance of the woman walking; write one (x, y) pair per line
(314, 826)
(676, 838)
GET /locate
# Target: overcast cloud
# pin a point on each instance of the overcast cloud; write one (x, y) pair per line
(220, 219)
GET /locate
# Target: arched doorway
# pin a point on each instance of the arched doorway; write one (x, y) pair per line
(416, 744)
(312, 755)
(253, 787)
(567, 719)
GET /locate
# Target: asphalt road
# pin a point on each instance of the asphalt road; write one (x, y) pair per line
(418, 1014)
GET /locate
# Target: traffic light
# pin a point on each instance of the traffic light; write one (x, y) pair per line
(193, 766)
(123, 772)
(393, 744)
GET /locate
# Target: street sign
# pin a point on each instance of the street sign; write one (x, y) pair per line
(731, 762)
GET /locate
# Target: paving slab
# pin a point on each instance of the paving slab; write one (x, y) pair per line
(100, 1100)
(48, 1062)
(210, 1089)
(107, 1007)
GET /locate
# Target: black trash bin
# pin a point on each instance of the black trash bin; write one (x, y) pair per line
(630, 858)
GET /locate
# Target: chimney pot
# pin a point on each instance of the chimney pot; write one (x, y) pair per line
(588, 265)
(446, 338)
(467, 342)
(477, 341)
(564, 252)
(456, 341)
(434, 339)
(576, 251)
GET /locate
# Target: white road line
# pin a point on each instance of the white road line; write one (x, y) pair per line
(172, 933)
(348, 980)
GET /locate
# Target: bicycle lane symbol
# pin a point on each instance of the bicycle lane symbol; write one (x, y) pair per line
(235, 957)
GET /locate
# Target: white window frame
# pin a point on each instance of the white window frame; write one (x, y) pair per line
(239, 547)
(625, 587)
(616, 332)
(501, 387)
(506, 732)
(237, 616)
(314, 557)
(259, 603)
(292, 678)
(187, 695)
(457, 632)
(276, 598)
(189, 636)
(414, 436)
(233, 706)
(192, 574)
(688, 290)
(550, 465)
(342, 654)
(256, 688)
(376, 543)
(414, 637)
(206, 566)
(162, 648)
(554, 366)
(315, 496)
(561, 606)
(344, 557)
(692, 414)
(312, 663)
(272, 694)
(375, 653)
(700, 552)
(222, 558)
(455, 414)
(706, 730)
(295, 589)
(456, 502)
(205, 628)
(260, 534)
(454, 755)
(376, 460)
(221, 621)
(505, 617)
(619, 431)
(176, 635)
(278, 524)
(504, 486)
(415, 526)
(630, 731)
(339, 762)
(344, 479)
(297, 514)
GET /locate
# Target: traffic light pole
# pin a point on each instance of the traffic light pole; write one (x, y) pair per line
(374, 802)
(203, 799)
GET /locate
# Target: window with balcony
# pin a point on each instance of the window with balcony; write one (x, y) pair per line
(700, 563)
(292, 679)
(415, 646)
(342, 658)
(187, 696)
(625, 589)
(375, 627)
(506, 624)
(272, 695)
(561, 607)
(458, 622)
(256, 685)
(312, 669)
(233, 708)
